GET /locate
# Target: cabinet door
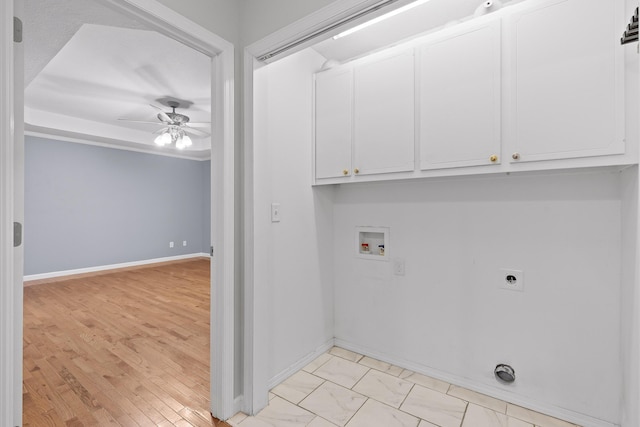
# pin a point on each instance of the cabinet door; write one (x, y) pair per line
(566, 80)
(384, 115)
(460, 98)
(333, 124)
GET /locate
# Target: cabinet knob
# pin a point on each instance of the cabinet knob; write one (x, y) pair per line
(515, 156)
(493, 158)
(345, 172)
(356, 171)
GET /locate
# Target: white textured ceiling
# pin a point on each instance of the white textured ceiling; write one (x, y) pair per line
(50, 24)
(93, 67)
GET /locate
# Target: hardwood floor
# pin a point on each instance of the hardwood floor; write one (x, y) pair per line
(128, 348)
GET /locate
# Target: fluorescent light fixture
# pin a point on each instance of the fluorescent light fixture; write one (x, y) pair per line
(380, 18)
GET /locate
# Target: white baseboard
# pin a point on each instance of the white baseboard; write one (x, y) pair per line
(277, 379)
(544, 408)
(111, 267)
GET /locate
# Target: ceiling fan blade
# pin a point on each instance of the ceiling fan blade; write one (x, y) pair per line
(141, 121)
(195, 131)
(200, 124)
(166, 119)
(162, 115)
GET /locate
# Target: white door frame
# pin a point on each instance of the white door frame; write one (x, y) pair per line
(176, 26)
(9, 323)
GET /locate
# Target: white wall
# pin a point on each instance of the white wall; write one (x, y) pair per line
(446, 317)
(630, 315)
(293, 261)
(630, 300)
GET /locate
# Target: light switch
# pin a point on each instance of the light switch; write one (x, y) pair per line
(275, 212)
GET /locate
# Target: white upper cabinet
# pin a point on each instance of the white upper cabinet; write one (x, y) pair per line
(459, 100)
(333, 124)
(565, 80)
(384, 111)
(536, 85)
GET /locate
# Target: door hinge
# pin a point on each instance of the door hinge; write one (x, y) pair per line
(17, 234)
(17, 30)
(211, 251)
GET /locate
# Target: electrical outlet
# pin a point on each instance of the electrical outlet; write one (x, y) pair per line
(170, 244)
(398, 266)
(184, 243)
(512, 280)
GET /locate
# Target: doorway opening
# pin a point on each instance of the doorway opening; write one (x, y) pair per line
(220, 53)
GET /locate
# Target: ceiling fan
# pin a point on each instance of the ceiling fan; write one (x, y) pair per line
(175, 127)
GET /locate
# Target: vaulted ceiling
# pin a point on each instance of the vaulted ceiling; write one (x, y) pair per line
(87, 67)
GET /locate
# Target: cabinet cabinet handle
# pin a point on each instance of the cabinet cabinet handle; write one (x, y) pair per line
(493, 158)
(345, 172)
(515, 156)
(356, 171)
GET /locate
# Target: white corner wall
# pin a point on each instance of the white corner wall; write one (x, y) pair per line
(292, 258)
(446, 316)
(630, 318)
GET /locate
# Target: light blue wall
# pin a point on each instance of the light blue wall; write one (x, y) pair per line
(88, 206)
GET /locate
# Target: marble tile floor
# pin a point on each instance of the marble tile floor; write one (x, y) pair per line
(345, 389)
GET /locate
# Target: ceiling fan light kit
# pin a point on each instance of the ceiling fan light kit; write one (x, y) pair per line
(184, 142)
(174, 135)
(176, 128)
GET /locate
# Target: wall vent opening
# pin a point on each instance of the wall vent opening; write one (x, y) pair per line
(505, 373)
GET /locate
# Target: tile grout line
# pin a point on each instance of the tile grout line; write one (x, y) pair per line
(319, 385)
(312, 372)
(464, 414)
(405, 399)
(361, 378)
(354, 414)
(449, 389)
